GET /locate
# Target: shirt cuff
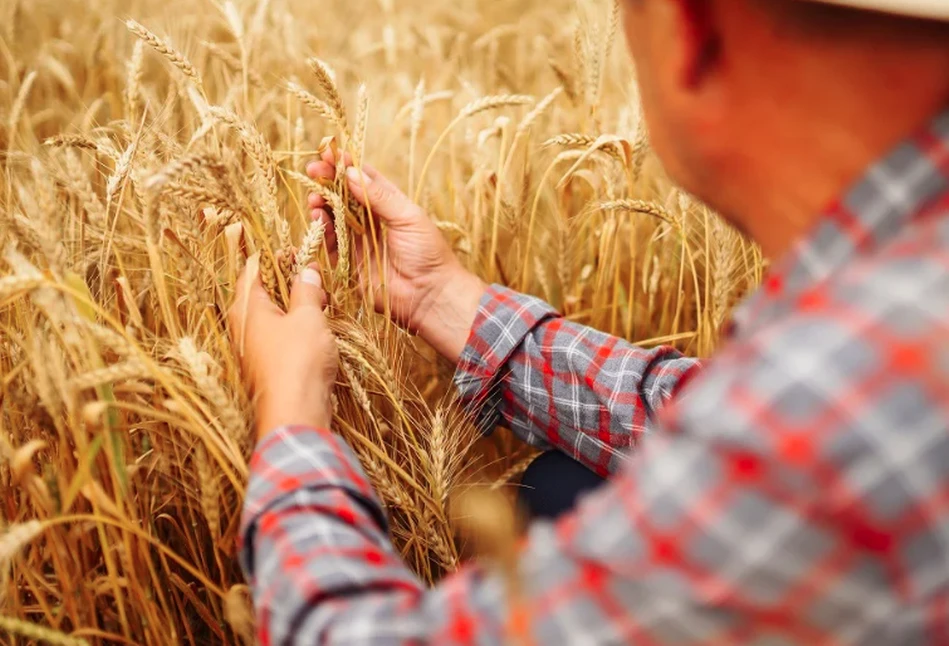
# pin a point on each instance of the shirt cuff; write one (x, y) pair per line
(290, 463)
(504, 319)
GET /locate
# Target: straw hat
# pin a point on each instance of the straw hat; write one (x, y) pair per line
(937, 9)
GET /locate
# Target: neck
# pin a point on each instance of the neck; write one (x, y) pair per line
(823, 125)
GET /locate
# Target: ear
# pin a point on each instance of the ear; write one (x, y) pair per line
(699, 39)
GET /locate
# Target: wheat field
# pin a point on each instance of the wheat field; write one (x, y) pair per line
(149, 148)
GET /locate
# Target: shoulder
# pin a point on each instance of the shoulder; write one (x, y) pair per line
(868, 347)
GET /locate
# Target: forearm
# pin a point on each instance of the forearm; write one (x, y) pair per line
(320, 564)
(643, 560)
(560, 384)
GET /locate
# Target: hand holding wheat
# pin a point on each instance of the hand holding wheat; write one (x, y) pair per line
(413, 274)
(288, 359)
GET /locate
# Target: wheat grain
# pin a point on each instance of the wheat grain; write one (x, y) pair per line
(133, 88)
(209, 490)
(78, 182)
(418, 112)
(167, 50)
(573, 139)
(10, 285)
(513, 472)
(131, 369)
(542, 106)
(326, 79)
(259, 150)
(359, 392)
(566, 81)
(15, 537)
(202, 369)
(121, 172)
(239, 613)
(362, 124)
(72, 141)
(197, 194)
(320, 107)
(310, 246)
(16, 110)
(638, 206)
(38, 633)
(493, 102)
(185, 165)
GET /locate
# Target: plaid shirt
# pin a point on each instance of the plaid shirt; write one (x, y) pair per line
(795, 491)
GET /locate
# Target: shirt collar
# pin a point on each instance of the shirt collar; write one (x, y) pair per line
(896, 190)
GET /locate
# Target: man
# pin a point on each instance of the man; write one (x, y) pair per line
(796, 491)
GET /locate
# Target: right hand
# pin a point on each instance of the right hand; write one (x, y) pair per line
(422, 284)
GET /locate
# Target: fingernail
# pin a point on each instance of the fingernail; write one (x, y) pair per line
(311, 277)
(357, 177)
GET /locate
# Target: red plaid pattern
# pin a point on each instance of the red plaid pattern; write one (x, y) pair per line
(795, 491)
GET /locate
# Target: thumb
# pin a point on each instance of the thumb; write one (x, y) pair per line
(307, 290)
(378, 194)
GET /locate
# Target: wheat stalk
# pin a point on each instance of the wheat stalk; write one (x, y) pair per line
(234, 63)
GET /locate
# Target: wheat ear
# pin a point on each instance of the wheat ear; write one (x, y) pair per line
(168, 51)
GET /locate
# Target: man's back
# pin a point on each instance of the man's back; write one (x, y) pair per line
(829, 417)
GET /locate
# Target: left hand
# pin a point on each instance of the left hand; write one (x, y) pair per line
(289, 360)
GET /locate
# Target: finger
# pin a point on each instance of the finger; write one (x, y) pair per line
(347, 160)
(307, 290)
(315, 201)
(382, 197)
(321, 169)
(251, 301)
(248, 290)
(371, 172)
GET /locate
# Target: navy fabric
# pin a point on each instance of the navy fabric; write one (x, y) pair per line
(553, 483)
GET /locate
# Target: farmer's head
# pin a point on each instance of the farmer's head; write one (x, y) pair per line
(784, 100)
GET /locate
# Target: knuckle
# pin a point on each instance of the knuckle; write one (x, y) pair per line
(415, 212)
(380, 193)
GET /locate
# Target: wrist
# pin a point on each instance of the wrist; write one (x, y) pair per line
(446, 319)
(280, 410)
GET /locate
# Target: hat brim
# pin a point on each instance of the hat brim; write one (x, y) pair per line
(934, 9)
